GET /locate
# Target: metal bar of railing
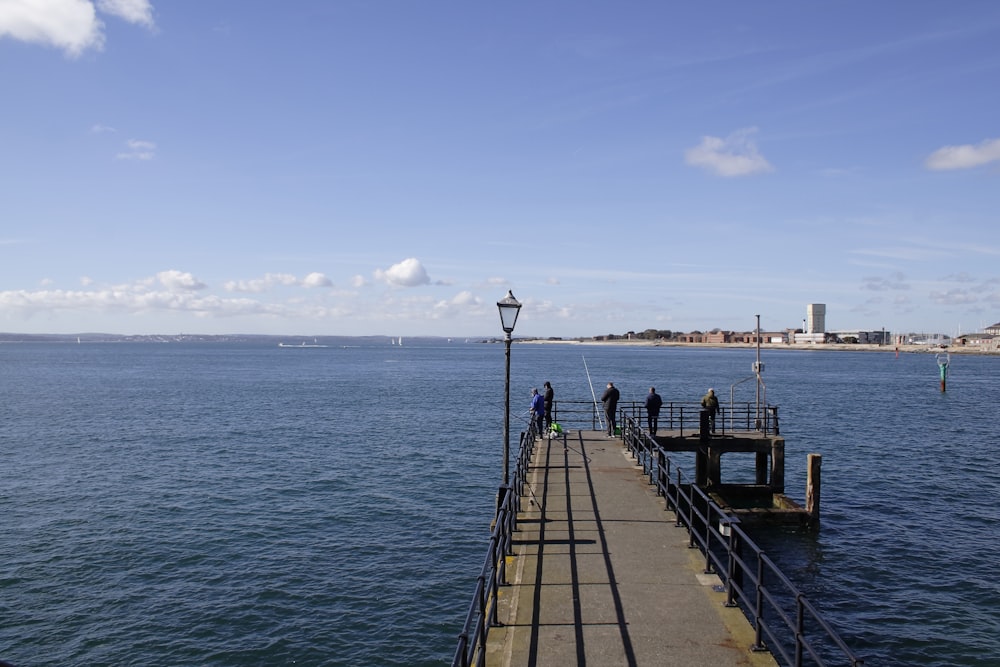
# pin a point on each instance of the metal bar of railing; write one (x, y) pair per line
(674, 416)
(774, 628)
(482, 613)
(741, 577)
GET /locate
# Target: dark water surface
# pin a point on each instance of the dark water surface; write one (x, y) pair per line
(218, 504)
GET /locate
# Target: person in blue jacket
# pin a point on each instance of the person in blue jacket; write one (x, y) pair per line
(653, 404)
(537, 411)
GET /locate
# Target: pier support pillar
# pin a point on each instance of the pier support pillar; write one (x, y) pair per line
(761, 469)
(702, 465)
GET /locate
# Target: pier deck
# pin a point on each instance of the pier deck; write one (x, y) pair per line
(602, 576)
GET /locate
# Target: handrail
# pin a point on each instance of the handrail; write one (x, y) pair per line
(674, 416)
(753, 582)
(482, 614)
(723, 553)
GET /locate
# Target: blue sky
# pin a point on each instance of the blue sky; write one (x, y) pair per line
(344, 167)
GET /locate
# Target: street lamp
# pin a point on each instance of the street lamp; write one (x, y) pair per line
(509, 307)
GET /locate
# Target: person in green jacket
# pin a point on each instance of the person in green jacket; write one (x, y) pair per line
(711, 403)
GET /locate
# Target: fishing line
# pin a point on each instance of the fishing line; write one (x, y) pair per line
(599, 419)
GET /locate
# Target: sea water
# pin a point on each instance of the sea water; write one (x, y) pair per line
(237, 504)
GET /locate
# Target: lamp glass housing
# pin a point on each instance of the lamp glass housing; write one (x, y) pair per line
(509, 307)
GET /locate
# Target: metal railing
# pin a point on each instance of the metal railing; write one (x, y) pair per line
(784, 621)
(482, 614)
(742, 417)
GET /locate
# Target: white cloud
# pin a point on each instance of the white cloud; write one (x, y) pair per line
(736, 155)
(270, 280)
(408, 273)
(179, 281)
(464, 298)
(98, 128)
(316, 279)
(138, 150)
(260, 284)
(70, 25)
(168, 291)
(358, 281)
(134, 11)
(965, 156)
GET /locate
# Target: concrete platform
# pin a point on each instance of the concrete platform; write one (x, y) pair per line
(602, 576)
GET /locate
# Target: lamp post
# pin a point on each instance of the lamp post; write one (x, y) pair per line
(509, 307)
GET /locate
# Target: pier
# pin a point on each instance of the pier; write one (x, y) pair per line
(602, 575)
(604, 553)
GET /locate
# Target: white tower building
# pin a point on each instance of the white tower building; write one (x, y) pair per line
(816, 318)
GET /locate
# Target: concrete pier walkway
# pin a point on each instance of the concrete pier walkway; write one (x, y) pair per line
(602, 576)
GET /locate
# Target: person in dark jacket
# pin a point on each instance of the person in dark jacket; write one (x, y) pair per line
(537, 411)
(653, 404)
(610, 400)
(549, 396)
(711, 403)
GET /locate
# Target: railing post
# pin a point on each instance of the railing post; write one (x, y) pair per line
(730, 565)
(690, 520)
(677, 492)
(664, 472)
(758, 610)
(492, 618)
(799, 627)
(708, 539)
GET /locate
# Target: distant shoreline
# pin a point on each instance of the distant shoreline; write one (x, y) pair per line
(806, 347)
(336, 340)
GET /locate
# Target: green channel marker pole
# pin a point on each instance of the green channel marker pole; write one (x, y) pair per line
(943, 360)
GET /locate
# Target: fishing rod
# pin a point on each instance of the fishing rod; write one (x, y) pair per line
(599, 420)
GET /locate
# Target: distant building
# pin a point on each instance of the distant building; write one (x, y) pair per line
(993, 329)
(815, 325)
(977, 340)
(880, 337)
(816, 318)
(942, 340)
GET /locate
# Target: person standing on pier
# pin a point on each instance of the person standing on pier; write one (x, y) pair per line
(537, 411)
(610, 400)
(710, 403)
(653, 403)
(548, 398)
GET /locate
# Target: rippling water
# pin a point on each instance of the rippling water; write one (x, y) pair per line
(231, 505)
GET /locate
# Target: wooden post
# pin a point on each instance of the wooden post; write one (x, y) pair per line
(813, 485)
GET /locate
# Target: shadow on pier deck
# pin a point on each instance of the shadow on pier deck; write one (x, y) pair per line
(602, 575)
